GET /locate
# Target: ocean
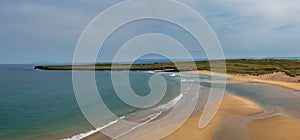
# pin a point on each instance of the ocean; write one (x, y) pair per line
(42, 105)
(38, 104)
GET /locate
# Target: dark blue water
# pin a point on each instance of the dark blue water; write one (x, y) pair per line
(36, 104)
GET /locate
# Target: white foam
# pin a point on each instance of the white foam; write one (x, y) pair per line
(170, 104)
(151, 117)
(158, 109)
(150, 71)
(173, 74)
(85, 134)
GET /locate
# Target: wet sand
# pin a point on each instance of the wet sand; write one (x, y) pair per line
(276, 127)
(231, 105)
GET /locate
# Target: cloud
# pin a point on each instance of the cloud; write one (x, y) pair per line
(47, 30)
(39, 18)
(31, 30)
(269, 27)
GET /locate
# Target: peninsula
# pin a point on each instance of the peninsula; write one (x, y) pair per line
(235, 66)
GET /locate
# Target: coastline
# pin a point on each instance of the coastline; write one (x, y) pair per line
(283, 126)
(243, 112)
(231, 105)
(244, 122)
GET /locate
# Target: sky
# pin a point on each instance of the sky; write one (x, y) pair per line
(46, 31)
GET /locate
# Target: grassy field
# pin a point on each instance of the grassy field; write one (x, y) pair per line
(259, 67)
(238, 66)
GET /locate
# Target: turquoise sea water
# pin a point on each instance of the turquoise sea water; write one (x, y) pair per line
(36, 105)
(41, 104)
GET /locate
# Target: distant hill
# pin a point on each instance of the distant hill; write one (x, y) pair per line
(285, 58)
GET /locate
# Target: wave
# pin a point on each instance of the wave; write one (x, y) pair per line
(173, 75)
(192, 80)
(150, 71)
(85, 134)
(165, 106)
(153, 113)
(152, 117)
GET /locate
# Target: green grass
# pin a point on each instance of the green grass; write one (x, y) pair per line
(238, 66)
(265, 66)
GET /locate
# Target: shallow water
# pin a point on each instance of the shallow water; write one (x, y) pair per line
(273, 99)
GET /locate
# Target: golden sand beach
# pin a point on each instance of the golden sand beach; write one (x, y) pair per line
(276, 127)
(231, 105)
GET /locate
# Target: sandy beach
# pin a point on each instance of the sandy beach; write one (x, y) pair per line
(274, 127)
(231, 105)
(236, 117)
(233, 119)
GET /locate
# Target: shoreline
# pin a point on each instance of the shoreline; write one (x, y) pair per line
(231, 105)
(243, 110)
(253, 79)
(152, 116)
(239, 108)
(283, 126)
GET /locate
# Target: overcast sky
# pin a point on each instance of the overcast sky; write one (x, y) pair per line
(47, 30)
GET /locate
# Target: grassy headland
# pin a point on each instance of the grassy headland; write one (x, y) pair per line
(236, 66)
